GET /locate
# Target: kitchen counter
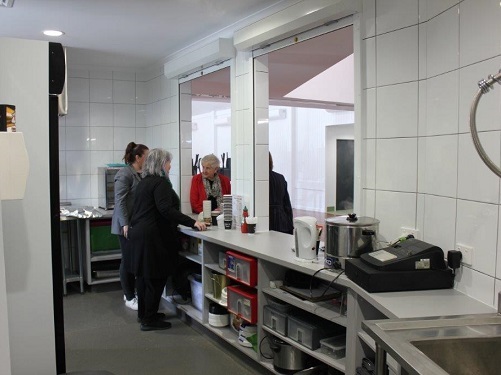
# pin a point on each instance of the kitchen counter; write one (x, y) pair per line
(274, 255)
(277, 248)
(467, 344)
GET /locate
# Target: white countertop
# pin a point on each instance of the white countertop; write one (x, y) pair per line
(277, 248)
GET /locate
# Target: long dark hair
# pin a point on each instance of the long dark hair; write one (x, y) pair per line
(132, 151)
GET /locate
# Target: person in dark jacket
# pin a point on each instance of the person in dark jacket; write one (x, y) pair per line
(280, 203)
(126, 181)
(153, 236)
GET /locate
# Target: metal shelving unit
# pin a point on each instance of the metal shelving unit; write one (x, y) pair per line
(92, 259)
(72, 268)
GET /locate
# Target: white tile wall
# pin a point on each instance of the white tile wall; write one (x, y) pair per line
(369, 49)
(397, 56)
(442, 43)
(396, 173)
(439, 224)
(395, 210)
(102, 119)
(488, 111)
(475, 179)
(431, 8)
(395, 14)
(397, 121)
(479, 31)
(438, 178)
(101, 90)
(441, 111)
(459, 198)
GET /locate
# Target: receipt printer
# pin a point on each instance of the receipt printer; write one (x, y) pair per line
(407, 265)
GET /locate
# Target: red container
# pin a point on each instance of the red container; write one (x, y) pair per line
(242, 301)
(241, 268)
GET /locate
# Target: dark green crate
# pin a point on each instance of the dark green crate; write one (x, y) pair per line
(101, 239)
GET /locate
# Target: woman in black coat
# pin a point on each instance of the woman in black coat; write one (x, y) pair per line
(153, 236)
(280, 203)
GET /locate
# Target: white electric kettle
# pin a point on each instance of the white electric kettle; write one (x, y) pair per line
(305, 237)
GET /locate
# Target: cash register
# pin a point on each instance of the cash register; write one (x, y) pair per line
(406, 265)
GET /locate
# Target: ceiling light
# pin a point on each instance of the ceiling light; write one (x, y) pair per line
(53, 32)
(7, 3)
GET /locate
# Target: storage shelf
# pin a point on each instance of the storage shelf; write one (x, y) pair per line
(192, 312)
(323, 309)
(105, 255)
(338, 364)
(215, 267)
(269, 365)
(392, 363)
(191, 256)
(211, 297)
(103, 280)
(230, 336)
(70, 276)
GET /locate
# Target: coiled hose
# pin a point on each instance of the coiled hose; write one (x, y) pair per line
(484, 87)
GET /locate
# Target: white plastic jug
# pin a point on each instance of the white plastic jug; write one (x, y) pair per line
(305, 236)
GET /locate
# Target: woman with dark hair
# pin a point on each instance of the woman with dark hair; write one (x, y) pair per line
(153, 236)
(280, 203)
(126, 181)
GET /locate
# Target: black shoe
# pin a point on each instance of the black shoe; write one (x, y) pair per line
(158, 316)
(155, 325)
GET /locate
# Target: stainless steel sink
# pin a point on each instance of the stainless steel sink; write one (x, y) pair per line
(469, 344)
(468, 356)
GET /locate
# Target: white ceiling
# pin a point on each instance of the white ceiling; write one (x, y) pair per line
(125, 33)
(138, 33)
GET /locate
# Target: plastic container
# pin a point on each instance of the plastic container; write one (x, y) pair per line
(218, 316)
(101, 238)
(310, 334)
(196, 291)
(241, 268)
(242, 301)
(274, 319)
(334, 347)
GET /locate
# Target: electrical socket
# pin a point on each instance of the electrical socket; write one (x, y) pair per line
(466, 254)
(406, 231)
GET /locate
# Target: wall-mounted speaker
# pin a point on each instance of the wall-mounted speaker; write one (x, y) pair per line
(57, 68)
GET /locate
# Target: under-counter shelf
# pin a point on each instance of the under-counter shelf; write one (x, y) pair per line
(323, 309)
(103, 280)
(338, 364)
(191, 256)
(231, 336)
(105, 255)
(211, 297)
(369, 341)
(215, 267)
(191, 311)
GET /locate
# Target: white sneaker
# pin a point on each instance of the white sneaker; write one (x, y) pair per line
(132, 304)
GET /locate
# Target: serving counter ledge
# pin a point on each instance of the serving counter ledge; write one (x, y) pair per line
(275, 255)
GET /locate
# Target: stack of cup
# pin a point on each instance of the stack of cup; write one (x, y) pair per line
(228, 211)
(207, 208)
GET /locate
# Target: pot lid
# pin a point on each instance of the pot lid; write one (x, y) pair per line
(352, 220)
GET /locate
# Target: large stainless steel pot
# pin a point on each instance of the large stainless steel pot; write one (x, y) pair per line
(287, 359)
(349, 236)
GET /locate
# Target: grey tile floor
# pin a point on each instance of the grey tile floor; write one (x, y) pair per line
(101, 334)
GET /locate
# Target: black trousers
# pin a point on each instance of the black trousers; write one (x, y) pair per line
(149, 292)
(127, 279)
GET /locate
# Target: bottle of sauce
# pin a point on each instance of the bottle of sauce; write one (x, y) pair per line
(245, 215)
